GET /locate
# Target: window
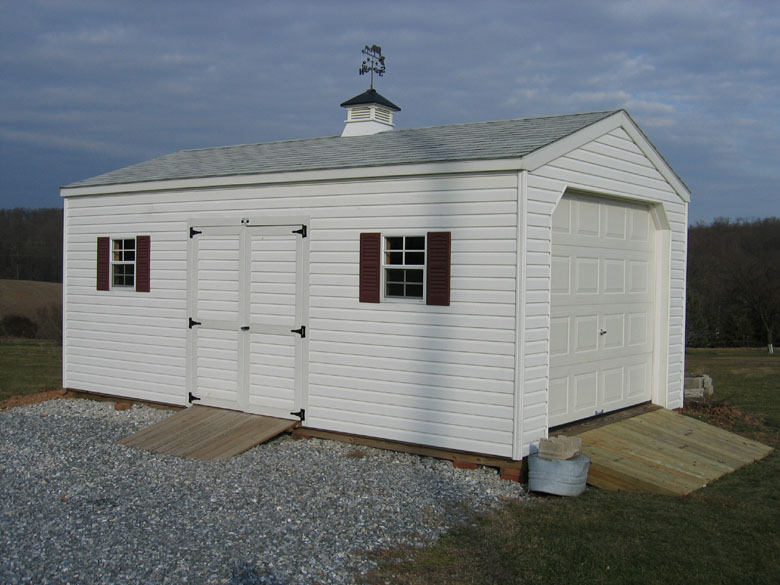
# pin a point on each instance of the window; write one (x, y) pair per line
(404, 266)
(123, 262)
(413, 267)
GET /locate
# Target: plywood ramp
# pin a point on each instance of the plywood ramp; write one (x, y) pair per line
(205, 433)
(663, 452)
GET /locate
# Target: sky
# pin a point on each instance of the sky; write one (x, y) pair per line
(87, 87)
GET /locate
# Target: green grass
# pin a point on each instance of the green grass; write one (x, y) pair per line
(728, 532)
(747, 378)
(28, 366)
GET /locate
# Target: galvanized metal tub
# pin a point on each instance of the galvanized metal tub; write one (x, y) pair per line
(562, 477)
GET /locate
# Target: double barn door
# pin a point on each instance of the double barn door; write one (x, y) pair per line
(247, 316)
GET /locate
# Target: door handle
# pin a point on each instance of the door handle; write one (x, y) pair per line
(245, 328)
(603, 332)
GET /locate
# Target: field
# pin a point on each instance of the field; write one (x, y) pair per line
(728, 532)
(26, 297)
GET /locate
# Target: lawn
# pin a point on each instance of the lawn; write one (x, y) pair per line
(728, 532)
(28, 366)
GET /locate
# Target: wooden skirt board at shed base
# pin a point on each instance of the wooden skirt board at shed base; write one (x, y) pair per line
(205, 433)
(662, 452)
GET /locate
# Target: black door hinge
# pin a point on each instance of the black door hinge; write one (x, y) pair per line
(301, 414)
(192, 398)
(193, 232)
(301, 331)
(193, 323)
(301, 231)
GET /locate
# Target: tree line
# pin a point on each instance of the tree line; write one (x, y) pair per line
(31, 244)
(733, 272)
(733, 283)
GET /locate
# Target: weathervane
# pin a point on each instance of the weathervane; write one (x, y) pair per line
(375, 62)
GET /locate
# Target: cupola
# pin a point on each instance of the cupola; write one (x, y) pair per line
(368, 113)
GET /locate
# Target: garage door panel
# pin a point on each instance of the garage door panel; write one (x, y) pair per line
(638, 328)
(613, 328)
(586, 275)
(559, 336)
(586, 333)
(640, 227)
(587, 219)
(585, 388)
(612, 385)
(614, 221)
(558, 404)
(613, 276)
(560, 275)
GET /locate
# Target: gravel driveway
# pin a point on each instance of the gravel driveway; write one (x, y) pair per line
(77, 508)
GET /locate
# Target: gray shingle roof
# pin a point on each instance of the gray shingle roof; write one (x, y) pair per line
(458, 142)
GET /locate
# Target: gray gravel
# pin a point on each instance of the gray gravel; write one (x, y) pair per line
(77, 508)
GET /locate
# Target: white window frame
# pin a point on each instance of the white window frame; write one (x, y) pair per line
(384, 266)
(122, 261)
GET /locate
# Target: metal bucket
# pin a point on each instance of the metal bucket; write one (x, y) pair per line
(562, 477)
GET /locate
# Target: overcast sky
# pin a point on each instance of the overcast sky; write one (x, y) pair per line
(87, 87)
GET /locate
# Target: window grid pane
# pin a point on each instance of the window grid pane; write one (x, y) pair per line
(123, 262)
(406, 255)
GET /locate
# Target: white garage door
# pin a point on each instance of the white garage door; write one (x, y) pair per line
(601, 328)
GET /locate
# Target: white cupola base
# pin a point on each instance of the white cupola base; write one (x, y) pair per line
(368, 113)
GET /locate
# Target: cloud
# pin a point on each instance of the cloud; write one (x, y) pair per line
(126, 81)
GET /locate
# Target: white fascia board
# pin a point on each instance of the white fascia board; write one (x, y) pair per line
(619, 119)
(342, 174)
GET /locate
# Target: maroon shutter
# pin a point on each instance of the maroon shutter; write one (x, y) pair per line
(370, 260)
(103, 263)
(439, 247)
(143, 245)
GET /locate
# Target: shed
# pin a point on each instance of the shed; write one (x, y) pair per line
(463, 287)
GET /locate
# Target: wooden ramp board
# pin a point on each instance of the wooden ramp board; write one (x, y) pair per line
(663, 452)
(205, 433)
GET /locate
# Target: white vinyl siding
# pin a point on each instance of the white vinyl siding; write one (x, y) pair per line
(441, 376)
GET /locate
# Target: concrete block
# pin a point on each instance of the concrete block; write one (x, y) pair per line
(698, 386)
(560, 447)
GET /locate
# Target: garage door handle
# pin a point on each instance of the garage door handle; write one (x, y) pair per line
(245, 328)
(603, 332)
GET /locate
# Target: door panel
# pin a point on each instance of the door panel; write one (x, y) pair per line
(273, 286)
(217, 309)
(600, 329)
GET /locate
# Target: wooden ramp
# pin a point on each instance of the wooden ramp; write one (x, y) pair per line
(663, 452)
(205, 433)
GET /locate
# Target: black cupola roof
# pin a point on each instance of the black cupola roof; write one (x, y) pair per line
(370, 96)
